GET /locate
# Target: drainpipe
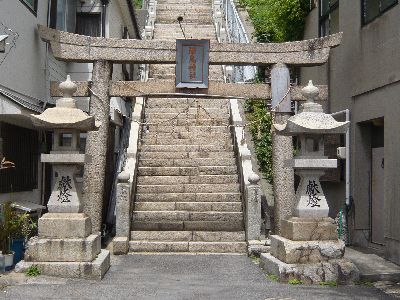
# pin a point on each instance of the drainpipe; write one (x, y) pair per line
(347, 113)
(348, 161)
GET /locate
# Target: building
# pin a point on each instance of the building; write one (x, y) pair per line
(363, 75)
(27, 68)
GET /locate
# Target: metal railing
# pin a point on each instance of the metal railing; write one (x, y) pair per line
(236, 33)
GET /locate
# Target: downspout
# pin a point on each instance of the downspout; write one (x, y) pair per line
(348, 164)
(133, 16)
(347, 113)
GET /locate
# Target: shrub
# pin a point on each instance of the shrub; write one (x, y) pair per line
(277, 20)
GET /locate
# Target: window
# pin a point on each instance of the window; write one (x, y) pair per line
(62, 15)
(20, 146)
(31, 4)
(328, 17)
(88, 24)
(374, 8)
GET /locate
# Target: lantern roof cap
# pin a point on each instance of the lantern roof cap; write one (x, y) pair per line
(65, 115)
(311, 119)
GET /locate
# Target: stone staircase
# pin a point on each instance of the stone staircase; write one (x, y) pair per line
(187, 194)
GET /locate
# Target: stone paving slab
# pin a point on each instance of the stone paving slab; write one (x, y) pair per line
(178, 277)
(373, 267)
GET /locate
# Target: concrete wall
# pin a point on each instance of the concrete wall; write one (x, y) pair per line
(364, 75)
(24, 68)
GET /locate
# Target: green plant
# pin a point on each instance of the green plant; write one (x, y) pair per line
(137, 4)
(22, 226)
(273, 277)
(277, 20)
(260, 130)
(364, 282)
(33, 271)
(6, 228)
(295, 281)
(328, 283)
(13, 225)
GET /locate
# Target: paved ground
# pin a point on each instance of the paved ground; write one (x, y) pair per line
(181, 277)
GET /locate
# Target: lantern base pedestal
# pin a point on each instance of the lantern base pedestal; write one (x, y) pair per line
(66, 247)
(310, 251)
(341, 270)
(95, 269)
(309, 229)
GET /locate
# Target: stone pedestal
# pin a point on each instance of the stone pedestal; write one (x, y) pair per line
(309, 250)
(66, 247)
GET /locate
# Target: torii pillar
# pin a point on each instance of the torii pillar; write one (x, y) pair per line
(282, 147)
(96, 143)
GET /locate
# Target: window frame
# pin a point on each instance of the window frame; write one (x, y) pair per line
(363, 19)
(33, 9)
(324, 17)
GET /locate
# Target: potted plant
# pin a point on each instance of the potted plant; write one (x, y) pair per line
(6, 228)
(22, 228)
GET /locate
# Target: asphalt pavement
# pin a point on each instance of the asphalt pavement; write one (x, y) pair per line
(181, 277)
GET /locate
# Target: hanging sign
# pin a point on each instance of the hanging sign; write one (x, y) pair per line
(192, 58)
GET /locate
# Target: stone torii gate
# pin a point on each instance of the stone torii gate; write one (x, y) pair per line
(103, 52)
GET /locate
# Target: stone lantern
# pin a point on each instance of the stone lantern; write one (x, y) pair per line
(308, 248)
(65, 245)
(310, 125)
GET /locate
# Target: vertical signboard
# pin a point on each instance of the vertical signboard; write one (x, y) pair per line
(192, 63)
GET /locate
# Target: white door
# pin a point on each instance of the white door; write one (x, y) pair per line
(377, 193)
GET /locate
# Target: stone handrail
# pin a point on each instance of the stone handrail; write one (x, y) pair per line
(250, 188)
(127, 184)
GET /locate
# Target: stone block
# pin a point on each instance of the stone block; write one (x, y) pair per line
(157, 246)
(218, 236)
(64, 225)
(302, 252)
(214, 225)
(63, 250)
(178, 236)
(86, 270)
(120, 245)
(256, 247)
(342, 271)
(218, 247)
(306, 229)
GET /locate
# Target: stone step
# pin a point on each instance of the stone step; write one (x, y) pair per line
(193, 2)
(180, 6)
(201, 179)
(183, 102)
(185, 148)
(192, 110)
(188, 188)
(172, 155)
(186, 236)
(190, 122)
(232, 225)
(178, 35)
(186, 136)
(184, 171)
(203, 114)
(190, 162)
(189, 197)
(194, 141)
(176, 27)
(189, 206)
(185, 129)
(159, 216)
(200, 18)
(191, 247)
